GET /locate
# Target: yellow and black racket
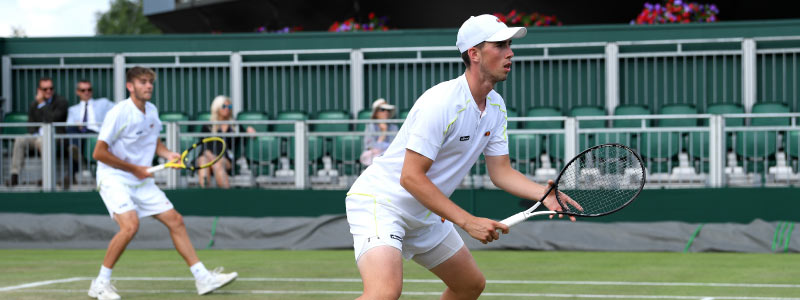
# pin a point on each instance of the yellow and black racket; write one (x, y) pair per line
(187, 161)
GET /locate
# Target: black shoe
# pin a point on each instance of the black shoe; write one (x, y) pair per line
(14, 180)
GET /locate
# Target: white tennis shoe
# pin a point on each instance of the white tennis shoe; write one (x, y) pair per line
(216, 279)
(103, 290)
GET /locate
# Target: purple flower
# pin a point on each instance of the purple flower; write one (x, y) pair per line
(648, 6)
(714, 8)
(678, 2)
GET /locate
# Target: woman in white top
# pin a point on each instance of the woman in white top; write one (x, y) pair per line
(378, 136)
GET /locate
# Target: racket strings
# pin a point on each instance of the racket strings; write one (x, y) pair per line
(601, 181)
(205, 153)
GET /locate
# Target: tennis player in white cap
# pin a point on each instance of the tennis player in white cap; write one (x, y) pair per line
(400, 207)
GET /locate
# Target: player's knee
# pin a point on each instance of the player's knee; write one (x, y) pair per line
(129, 228)
(175, 220)
(472, 288)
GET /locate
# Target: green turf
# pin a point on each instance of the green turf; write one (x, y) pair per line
(26, 266)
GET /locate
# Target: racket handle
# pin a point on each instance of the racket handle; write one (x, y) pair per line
(157, 168)
(515, 219)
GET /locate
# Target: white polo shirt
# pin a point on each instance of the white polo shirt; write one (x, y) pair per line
(446, 126)
(131, 136)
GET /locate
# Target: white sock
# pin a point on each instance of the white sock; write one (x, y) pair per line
(105, 274)
(199, 270)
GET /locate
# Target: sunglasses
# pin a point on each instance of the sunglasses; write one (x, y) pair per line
(85, 90)
(227, 106)
(383, 109)
(46, 88)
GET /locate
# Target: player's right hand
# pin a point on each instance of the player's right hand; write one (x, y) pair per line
(141, 172)
(484, 230)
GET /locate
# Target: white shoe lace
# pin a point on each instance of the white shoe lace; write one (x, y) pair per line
(217, 271)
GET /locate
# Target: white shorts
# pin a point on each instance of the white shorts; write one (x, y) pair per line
(146, 198)
(373, 223)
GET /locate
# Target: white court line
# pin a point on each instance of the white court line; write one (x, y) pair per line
(408, 293)
(40, 283)
(531, 282)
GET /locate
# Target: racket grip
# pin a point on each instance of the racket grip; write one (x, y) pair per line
(157, 168)
(515, 219)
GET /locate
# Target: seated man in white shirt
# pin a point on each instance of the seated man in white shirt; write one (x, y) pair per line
(89, 114)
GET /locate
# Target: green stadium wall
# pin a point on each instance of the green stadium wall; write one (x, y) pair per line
(737, 205)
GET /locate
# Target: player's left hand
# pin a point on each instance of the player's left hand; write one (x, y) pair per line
(551, 202)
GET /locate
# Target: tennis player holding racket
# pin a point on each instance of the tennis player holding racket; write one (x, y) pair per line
(400, 207)
(125, 147)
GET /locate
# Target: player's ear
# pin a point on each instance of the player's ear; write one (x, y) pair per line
(129, 86)
(474, 55)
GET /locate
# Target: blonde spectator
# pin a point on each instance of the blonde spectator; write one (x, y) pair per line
(221, 110)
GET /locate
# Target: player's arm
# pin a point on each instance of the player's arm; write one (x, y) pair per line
(162, 151)
(414, 179)
(102, 154)
(512, 181)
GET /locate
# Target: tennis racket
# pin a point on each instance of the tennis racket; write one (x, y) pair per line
(187, 159)
(599, 181)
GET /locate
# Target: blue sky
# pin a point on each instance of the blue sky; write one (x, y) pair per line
(47, 18)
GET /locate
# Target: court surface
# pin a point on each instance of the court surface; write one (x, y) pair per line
(331, 274)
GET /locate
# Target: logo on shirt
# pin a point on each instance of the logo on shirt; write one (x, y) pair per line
(487, 133)
(139, 132)
(464, 138)
(151, 125)
(396, 237)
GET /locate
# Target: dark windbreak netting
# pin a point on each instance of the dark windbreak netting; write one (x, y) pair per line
(601, 180)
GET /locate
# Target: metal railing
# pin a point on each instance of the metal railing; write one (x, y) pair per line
(324, 154)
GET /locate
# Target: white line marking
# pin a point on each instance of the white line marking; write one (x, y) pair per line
(409, 293)
(40, 283)
(548, 282)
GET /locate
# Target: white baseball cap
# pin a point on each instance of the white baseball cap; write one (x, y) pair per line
(381, 103)
(485, 28)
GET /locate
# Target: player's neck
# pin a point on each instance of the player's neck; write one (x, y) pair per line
(479, 86)
(139, 103)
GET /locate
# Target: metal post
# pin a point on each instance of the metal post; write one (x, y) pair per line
(748, 74)
(612, 77)
(716, 151)
(172, 144)
(48, 157)
(571, 138)
(236, 83)
(119, 77)
(6, 76)
(300, 155)
(356, 82)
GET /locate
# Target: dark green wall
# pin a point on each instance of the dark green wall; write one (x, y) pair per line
(394, 38)
(739, 205)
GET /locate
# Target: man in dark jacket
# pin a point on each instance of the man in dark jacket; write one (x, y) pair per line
(47, 108)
